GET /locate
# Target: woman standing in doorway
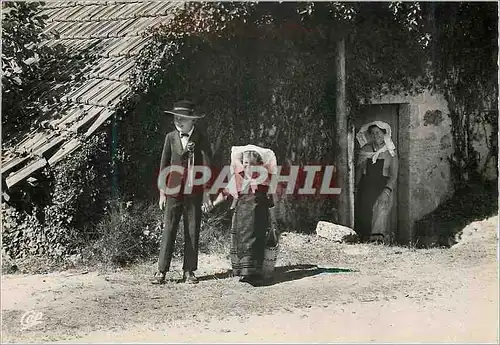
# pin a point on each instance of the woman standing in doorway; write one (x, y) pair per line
(376, 176)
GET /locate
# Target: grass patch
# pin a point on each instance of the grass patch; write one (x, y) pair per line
(131, 234)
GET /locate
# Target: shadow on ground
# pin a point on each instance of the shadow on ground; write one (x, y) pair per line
(295, 272)
(285, 273)
(468, 204)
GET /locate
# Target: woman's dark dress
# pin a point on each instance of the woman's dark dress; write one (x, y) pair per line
(370, 187)
(248, 232)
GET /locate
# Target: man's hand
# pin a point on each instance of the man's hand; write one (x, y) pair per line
(163, 201)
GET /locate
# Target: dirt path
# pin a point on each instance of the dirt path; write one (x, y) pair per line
(374, 293)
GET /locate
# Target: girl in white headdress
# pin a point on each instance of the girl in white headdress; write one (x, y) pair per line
(254, 225)
(376, 176)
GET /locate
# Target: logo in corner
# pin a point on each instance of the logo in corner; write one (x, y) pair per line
(31, 319)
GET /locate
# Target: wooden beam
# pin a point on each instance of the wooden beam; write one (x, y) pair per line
(43, 141)
(351, 173)
(30, 141)
(67, 114)
(51, 144)
(13, 163)
(65, 150)
(93, 112)
(106, 114)
(75, 115)
(19, 147)
(25, 172)
(342, 130)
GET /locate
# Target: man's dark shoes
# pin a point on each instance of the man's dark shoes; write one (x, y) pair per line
(253, 279)
(376, 238)
(190, 278)
(158, 278)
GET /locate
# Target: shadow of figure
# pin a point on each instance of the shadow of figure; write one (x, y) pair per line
(284, 273)
(295, 272)
(216, 276)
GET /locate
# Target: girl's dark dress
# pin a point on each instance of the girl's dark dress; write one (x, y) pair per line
(248, 232)
(370, 187)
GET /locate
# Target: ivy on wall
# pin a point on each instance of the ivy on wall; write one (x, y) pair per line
(58, 220)
(264, 73)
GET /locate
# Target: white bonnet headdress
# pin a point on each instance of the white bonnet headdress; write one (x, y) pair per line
(235, 183)
(268, 158)
(361, 136)
(389, 144)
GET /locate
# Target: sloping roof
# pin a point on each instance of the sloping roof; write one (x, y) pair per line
(110, 33)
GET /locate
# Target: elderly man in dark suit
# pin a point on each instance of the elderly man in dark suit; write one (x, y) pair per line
(184, 149)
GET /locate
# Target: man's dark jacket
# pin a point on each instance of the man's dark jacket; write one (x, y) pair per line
(174, 155)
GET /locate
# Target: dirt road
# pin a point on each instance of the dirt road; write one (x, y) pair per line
(369, 293)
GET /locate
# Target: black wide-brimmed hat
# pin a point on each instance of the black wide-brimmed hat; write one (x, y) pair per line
(184, 109)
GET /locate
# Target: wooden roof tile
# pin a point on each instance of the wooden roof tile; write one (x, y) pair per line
(84, 14)
(41, 145)
(134, 50)
(144, 10)
(83, 29)
(126, 12)
(60, 4)
(61, 27)
(139, 9)
(28, 143)
(120, 71)
(108, 66)
(119, 30)
(91, 13)
(134, 28)
(99, 27)
(168, 8)
(126, 46)
(89, 3)
(74, 116)
(25, 172)
(65, 150)
(13, 163)
(67, 114)
(88, 30)
(110, 31)
(50, 145)
(87, 97)
(54, 14)
(95, 96)
(87, 85)
(67, 12)
(113, 94)
(72, 30)
(110, 15)
(75, 15)
(104, 65)
(106, 114)
(89, 116)
(40, 141)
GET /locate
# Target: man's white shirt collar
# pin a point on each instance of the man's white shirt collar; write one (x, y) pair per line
(180, 131)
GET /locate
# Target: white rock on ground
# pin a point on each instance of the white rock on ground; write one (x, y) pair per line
(335, 232)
